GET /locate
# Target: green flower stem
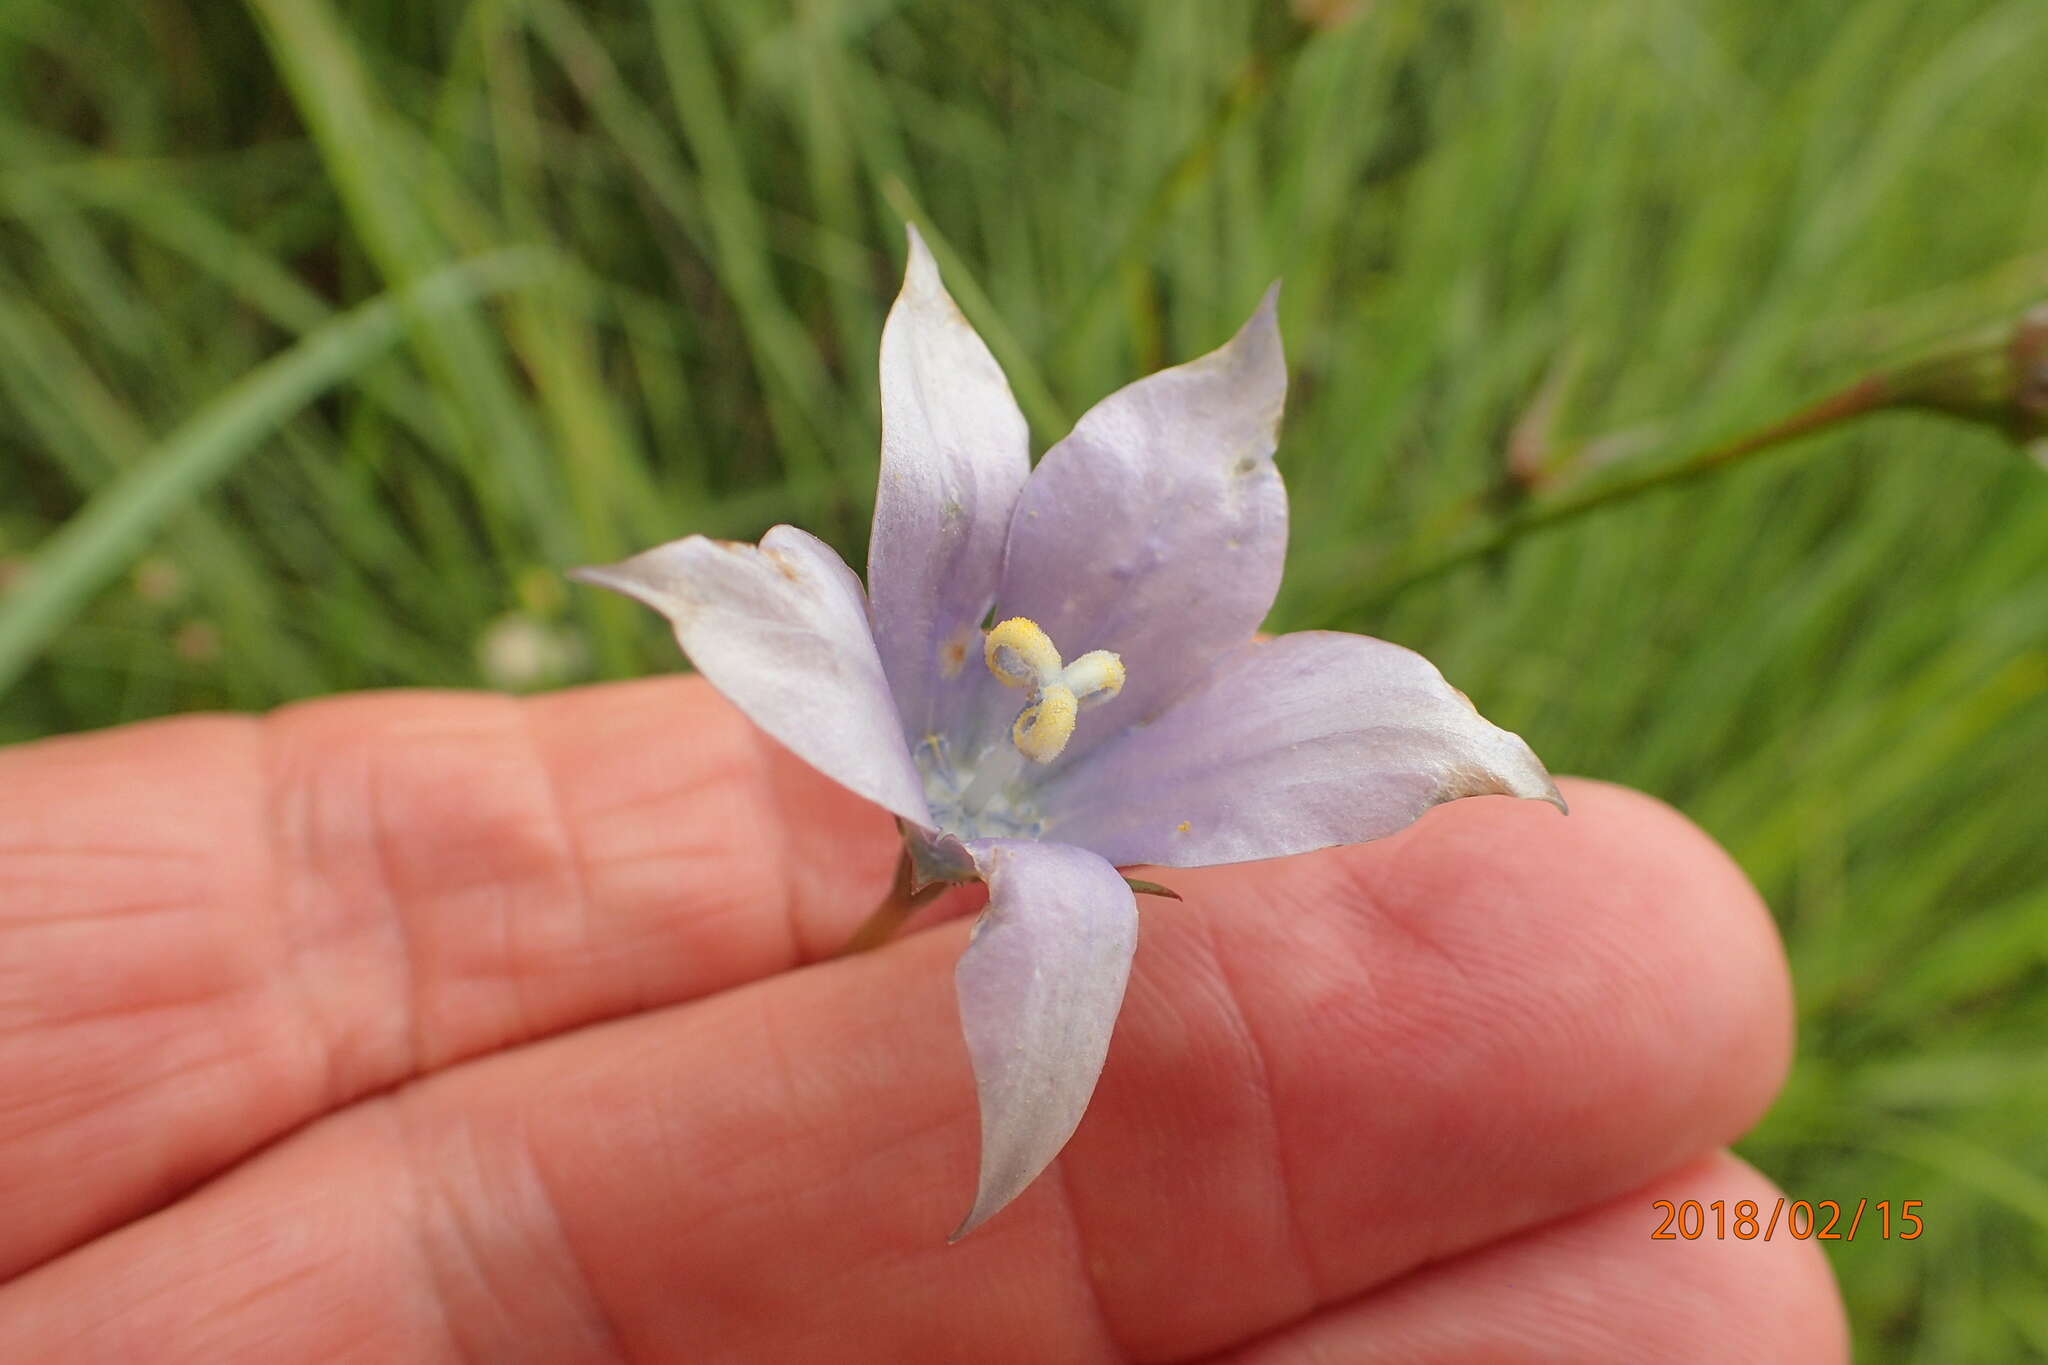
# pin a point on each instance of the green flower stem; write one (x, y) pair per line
(895, 910)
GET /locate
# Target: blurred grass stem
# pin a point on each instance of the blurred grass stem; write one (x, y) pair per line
(94, 547)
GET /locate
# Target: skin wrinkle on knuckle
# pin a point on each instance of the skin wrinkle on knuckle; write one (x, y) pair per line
(790, 897)
(530, 834)
(1364, 873)
(1258, 1072)
(462, 940)
(653, 862)
(422, 1194)
(334, 1026)
(445, 1213)
(564, 834)
(399, 927)
(1373, 1015)
(1088, 1284)
(746, 868)
(315, 1043)
(300, 836)
(817, 889)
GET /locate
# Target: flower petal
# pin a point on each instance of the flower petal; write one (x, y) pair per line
(1287, 745)
(1039, 986)
(955, 454)
(1157, 529)
(782, 630)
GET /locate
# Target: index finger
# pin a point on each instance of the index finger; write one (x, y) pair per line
(1330, 1070)
(215, 928)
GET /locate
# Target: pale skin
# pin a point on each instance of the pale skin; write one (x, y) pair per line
(437, 1027)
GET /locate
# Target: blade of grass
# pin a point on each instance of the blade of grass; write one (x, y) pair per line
(94, 546)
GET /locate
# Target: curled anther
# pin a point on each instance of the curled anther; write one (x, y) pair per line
(1021, 654)
(1095, 677)
(1046, 724)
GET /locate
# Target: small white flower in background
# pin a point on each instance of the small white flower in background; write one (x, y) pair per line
(1118, 711)
(519, 653)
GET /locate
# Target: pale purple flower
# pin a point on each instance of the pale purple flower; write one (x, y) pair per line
(1117, 712)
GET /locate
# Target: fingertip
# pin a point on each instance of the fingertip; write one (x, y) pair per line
(1634, 882)
(1602, 1285)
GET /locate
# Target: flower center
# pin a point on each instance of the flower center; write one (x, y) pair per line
(1021, 654)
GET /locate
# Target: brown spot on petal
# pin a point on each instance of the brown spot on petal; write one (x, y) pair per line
(956, 649)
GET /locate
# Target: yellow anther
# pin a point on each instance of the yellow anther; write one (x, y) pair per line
(1044, 727)
(1095, 677)
(1021, 654)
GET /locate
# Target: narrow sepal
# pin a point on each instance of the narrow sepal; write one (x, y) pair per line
(1039, 986)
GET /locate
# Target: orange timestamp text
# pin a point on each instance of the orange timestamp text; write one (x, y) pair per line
(1823, 1220)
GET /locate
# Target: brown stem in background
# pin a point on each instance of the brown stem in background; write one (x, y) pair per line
(1866, 395)
(1999, 378)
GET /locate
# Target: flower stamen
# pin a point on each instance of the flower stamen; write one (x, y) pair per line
(1045, 725)
(1021, 654)
(1095, 677)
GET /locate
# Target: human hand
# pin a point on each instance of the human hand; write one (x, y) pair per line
(431, 1027)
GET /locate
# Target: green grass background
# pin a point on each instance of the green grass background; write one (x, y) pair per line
(224, 488)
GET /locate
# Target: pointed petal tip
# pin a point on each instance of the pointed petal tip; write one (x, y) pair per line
(611, 577)
(1521, 774)
(1265, 319)
(1256, 352)
(639, 577)
(997, 1190)
(920, 267)
(1555, 798)
(976, 1216)
(1525, 775)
